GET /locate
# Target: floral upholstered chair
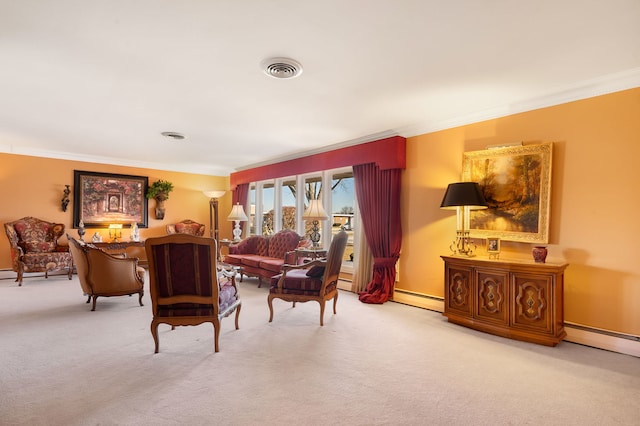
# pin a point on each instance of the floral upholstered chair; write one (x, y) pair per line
(35, 248)
(187, 226)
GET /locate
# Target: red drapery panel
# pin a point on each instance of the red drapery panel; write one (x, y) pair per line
(240, 196)
(378, 194)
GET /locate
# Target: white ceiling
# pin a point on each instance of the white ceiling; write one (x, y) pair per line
(99, 80)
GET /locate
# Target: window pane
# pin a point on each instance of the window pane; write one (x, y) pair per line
(343, 201)
(289, 204)
(268, 201)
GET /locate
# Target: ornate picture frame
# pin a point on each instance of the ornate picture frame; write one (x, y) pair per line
(516, 183)
(493, 247)
(101, 199)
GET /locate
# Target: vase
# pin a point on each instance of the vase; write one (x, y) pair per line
(539, 254)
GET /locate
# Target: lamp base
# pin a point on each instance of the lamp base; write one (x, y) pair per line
(463, 245)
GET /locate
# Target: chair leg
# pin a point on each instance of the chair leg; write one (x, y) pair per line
(270, 302)
(335, 302)
(216, 334)
(321, 302)
(88, 298)
(140, 298)
(70, 273)
(154, 333)
(238, 316)
(19, 277)
(259, 282)
(94, 303)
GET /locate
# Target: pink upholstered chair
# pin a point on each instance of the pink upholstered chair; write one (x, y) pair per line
(35, 248)
(186, 226)
(316, 280)
(186, 286)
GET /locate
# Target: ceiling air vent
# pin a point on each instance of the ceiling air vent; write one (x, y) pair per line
(173, 135)
(281, 67)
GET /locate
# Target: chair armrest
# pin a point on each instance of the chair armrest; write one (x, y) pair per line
(316, 262)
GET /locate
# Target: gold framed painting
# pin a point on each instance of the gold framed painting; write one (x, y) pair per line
(516, 183)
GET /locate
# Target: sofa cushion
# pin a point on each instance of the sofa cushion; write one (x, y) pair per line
(252, 260)
(272, 264)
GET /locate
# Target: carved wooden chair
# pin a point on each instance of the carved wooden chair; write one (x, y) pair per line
(104, 275)
(186, 285)
(35, 248)
(313, 281)
(186, 226)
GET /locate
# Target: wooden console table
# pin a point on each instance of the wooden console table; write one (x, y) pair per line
(520, 300)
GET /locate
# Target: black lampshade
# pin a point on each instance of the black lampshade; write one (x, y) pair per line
(463, 194)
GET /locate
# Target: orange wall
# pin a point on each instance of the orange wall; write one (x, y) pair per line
(32, 186)
(594, 203)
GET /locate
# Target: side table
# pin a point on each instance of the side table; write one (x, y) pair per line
(309, 253)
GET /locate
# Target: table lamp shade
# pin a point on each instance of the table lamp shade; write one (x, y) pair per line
(237, 213)
(463, 194)
(315, 211)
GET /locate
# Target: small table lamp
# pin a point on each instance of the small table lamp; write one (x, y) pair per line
(115, 232)
(315, 212)
(237, 214)
(463, 197)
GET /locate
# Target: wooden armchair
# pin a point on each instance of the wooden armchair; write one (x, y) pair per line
(186, 285)
(105, 275)
(316, 280)
(186, 226)
(35, 248)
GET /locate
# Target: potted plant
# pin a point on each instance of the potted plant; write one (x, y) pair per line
(159, 191)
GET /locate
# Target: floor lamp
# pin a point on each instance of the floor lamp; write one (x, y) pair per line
(213, 212)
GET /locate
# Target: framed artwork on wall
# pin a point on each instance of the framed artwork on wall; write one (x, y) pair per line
(101, 199)
(516, 183)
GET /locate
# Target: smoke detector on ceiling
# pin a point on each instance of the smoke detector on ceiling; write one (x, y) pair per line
(281, 67)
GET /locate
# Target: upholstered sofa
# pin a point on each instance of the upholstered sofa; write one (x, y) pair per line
(35, 248)
(263, 256)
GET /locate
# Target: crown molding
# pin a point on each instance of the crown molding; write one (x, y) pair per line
(599, 86)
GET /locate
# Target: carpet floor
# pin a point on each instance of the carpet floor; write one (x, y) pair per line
(391, 364)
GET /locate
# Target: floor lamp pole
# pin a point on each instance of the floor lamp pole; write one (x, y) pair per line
(213, 218)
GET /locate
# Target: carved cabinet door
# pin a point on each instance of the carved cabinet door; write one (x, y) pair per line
(458, 296)
(532, 301)
(492, 295)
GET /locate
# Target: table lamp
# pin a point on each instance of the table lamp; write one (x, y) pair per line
(315, 212)
(238, 215)
(463, 197)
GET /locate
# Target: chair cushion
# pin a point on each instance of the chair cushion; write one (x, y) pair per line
(315, 271)
(34, 246)
(297, 282)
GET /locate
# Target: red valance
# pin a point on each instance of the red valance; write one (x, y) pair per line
(388, 153)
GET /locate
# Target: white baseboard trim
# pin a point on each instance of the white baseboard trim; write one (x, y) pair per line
(583, 335)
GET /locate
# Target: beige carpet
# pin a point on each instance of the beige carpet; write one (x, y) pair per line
(61, 364)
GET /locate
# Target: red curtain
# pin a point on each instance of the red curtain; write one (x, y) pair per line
(240, 196)
(378, 194)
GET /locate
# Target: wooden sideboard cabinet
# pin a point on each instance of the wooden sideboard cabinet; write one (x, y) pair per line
(516, 299)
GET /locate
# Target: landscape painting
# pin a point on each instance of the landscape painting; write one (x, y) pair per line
(516, 183)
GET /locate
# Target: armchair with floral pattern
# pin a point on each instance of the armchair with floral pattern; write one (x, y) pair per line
(35, 248)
